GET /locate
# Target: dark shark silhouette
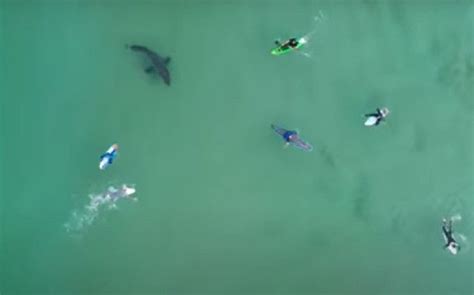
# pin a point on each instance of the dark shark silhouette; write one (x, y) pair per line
(159, 64)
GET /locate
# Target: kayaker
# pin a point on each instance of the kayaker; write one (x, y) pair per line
(291, 43)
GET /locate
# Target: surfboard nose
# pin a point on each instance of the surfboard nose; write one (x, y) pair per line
(129, 190)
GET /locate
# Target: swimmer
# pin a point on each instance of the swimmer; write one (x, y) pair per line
(451, 243)
(109, 156)
(374, 119)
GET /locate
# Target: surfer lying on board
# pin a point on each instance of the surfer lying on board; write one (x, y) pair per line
(374, 119)
(451, 243)
(108, 157)
(291, 137)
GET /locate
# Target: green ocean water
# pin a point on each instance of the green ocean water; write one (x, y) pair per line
(222, 207)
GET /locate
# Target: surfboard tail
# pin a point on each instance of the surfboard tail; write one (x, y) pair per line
(302, 145)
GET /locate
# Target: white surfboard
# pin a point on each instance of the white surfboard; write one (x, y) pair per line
(453, 249)
(128, 190)
(371, 121)
(104, 163)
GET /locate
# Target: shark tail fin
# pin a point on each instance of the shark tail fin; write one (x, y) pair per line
(167, 60)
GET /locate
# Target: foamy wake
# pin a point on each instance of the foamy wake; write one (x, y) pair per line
(456, 217)
(461, 238)
(318, 19)
(81, 219)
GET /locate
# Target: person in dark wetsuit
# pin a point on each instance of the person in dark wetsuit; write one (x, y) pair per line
(291, 43)
(379, 115)
(451, 243)
(290, 136)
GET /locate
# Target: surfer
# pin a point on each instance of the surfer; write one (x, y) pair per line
(111, 196)
(451, 243)
(108, 157)
(125, 191)
(292, 137)
(374, 119)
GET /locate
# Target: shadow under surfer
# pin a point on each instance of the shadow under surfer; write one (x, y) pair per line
(158, 63)
(451, 243)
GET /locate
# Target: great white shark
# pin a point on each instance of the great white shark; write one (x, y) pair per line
(159, 64)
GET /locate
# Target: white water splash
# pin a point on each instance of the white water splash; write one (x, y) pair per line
(456, 217)
(318, 18)
(463, 241)
(81, 219)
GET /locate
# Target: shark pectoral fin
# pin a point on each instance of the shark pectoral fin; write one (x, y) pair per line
(149, 70)
(167, 60)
